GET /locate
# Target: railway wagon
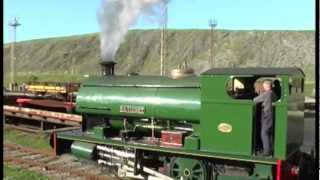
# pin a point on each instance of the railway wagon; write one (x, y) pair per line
(197, 127)
(64, 91)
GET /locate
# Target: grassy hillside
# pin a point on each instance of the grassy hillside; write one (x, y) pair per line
(69, 58)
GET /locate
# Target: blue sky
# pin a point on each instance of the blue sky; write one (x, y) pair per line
(54, 18)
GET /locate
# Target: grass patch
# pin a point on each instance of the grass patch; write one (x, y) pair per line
(12, 173)
(37, 141)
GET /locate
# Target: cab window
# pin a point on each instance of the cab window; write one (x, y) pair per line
(250, 87)
(241, 87)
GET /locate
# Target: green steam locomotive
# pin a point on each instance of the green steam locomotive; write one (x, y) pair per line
(197, 127)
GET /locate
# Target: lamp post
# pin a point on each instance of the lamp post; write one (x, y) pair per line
(14, 24)
(212, 23)
(163, 38)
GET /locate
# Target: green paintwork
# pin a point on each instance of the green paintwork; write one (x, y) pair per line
(116, 123)
(160, 97)
(263, 171)
(231, 177)
(280, 124)
(192, 142)
(223, 127)
(263, 166)
(196, 153)
(218, 107)
(82, 149)
(180, 99)
(289, 120)
(99, 131)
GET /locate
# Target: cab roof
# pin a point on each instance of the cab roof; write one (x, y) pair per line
(255, 71)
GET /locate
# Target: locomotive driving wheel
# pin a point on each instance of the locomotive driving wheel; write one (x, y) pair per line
(188, 169)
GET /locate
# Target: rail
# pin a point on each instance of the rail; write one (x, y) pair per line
(49, 164)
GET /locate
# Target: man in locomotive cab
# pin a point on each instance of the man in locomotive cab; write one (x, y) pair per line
(266, 97)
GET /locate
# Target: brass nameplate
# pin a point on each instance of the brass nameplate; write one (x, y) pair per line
(225, 128)
(132, 109)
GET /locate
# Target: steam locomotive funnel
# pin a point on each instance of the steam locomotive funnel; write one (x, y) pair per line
(107, 68)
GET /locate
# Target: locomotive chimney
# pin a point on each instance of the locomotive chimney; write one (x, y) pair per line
(107, 68)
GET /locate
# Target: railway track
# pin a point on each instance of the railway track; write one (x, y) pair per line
(48, 164)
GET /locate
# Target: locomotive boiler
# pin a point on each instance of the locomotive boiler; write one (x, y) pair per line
(196, 127)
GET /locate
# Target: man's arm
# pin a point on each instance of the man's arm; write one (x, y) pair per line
(259, 99)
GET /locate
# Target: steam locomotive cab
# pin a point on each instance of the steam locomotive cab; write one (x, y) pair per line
(203, 127)
(237, 118)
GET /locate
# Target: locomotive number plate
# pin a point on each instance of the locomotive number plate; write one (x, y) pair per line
(132, 109)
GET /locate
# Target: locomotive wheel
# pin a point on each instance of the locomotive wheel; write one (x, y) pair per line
(188, 169)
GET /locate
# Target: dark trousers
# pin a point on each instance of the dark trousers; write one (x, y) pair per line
(266, 137)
